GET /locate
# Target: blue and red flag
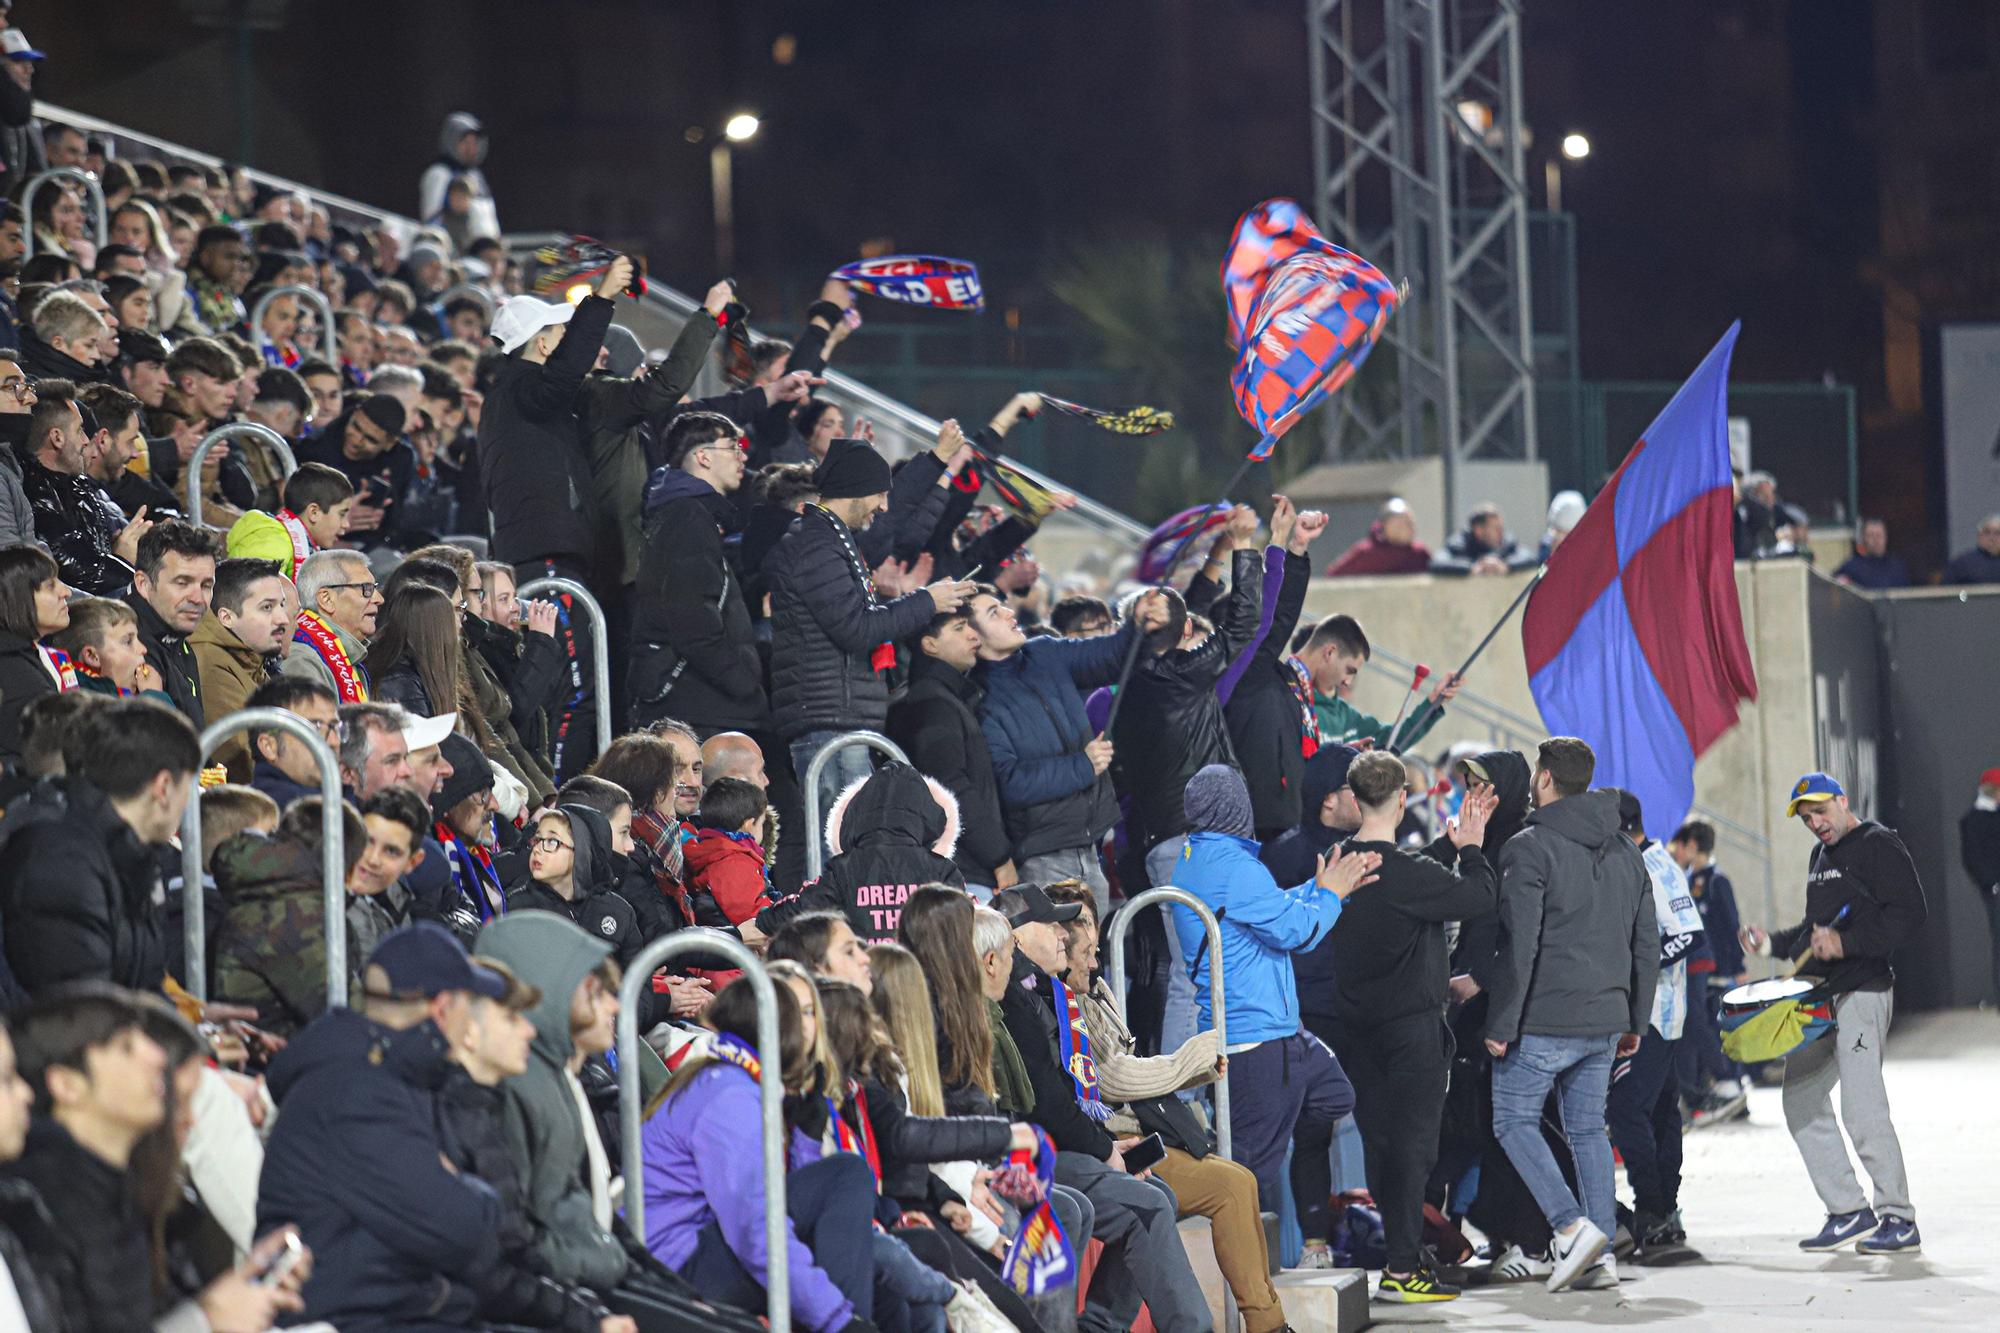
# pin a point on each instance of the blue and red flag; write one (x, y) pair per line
(1303, 315)
(942, 284)
(1634, 637)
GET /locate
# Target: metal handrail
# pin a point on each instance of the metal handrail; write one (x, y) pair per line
(770, 1088)
(332, 848)
(1121, 925)
(77, 174)
(248, 430)
(329, 343)
(872, 740)
(600, 639)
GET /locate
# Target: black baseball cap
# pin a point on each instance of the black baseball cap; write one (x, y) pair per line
(1631, 819)
(424, 959)
(1036, 907)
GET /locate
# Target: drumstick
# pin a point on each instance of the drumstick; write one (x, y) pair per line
(1793, 969)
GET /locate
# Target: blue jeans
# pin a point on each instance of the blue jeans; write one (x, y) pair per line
(846, 767)
(925, 1291)
(1579, 1069)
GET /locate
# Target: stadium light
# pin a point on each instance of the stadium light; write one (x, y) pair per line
(1576, 147)
(740, 127)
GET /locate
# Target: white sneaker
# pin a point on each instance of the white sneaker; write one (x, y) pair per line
(1600, 1276)
(1574, 1252)
(1514, 1264)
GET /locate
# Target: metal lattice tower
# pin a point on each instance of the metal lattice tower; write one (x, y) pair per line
(1418, 164)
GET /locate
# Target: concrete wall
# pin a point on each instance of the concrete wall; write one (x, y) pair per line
(1351, 493)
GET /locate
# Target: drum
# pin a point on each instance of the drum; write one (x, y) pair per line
(1768, 1020)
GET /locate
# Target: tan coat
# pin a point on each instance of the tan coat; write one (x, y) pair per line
(230, 673)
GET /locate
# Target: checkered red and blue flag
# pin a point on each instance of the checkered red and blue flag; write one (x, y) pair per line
(1634, 637)
(1303, 315)
(942, 284)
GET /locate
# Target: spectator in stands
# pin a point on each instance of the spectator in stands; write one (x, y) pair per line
(1327, 815)
(461, 150)
(358, 1153)
(314, 517)
(102, 642)
(1335, 654)
(339, 600)
(236, 644)
(832, 641)
(17, 403)
(1272, 727)
(364, 443)
(373, 751)
(536, 477)
(1565, 512)
(1081, 617)
(570, 872)
(378, 896)
(270, 945)
(70, 518)
(1483, 547)
(694, 653)
(726, 876)
(65, 340)
(34, 603)
(462, 836)
(59, 223)
(1871, 567)
(937, 726)
(1981, 564)
(173, 583)
(218, 271)
(1135, 1219)
(327, 388)
(20, 133)
(1391, 546)
(23, 1217)
(65, 145)
(282, 767)
(141, 367)
(131, 299)
(80, 893)
(415, 656)
(108, 463)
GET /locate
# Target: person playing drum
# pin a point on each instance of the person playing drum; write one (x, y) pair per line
(1863, 898)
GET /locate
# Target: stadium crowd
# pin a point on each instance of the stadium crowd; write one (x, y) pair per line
(442, 1152)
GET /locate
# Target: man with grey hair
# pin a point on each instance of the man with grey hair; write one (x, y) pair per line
(338, 600)
(1981, 564)
(65, 340)
(374, 751)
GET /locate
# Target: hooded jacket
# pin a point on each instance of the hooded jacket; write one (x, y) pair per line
(230, 672)
(357, 1161)
(432, 186)
(270, 947)
(887, 836)
(594, 904)
(1266, 722)
(544, 1127)
(936, 726)
(1579, 952)
(726, 882)
(1033, 717)
(1262, 924)
(694, 651)
(82, 899)
(1477, 952)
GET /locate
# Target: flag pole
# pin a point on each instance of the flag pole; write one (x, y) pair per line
(1166, 576)
(1505, 616)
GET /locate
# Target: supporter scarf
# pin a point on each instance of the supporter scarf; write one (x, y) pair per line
(1303, 315)
(1164, 542)
(85, 673)
(1031, 501)
(1040, 1259)
(1132, 421)
(845, 1139)
(302, 542)
(1302, 690)
(579, 259)
(884, 656)
(1074, 1035)
(472, 874)
(60, 667)
(732, 1049)
(662, 840)
(350, 682)
(942, 284)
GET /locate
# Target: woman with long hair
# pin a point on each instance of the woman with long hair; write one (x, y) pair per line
(60, 224)
(646, 766)
(132, 301)
(937, 928)
(34, 603)
(414, 659)
(704, 1172)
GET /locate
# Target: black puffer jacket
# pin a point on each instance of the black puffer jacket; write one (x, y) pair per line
(94, 1256)
(691, 617)
(827, 626)
(903, 829)
(82, 899)
(74, 523)
(936, 726)
(910, 1143)
(531, 458)
(1171, 726)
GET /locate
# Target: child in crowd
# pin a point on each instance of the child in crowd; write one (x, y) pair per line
(317, 500)
(727, 866)
(102, 640)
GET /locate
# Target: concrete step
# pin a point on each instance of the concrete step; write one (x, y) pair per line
(1320, 1300)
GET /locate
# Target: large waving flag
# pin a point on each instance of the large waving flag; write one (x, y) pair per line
(1634, 637)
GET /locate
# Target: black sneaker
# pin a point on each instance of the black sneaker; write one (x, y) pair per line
(1658, 1246)
(1419, 1288)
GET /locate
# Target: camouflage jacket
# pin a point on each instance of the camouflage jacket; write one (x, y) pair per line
(270, 949)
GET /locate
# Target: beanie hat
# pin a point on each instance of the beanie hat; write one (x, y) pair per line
(1219, 802)
(850, 470)
(471, 773)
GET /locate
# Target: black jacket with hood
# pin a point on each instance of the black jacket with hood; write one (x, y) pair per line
(937, 725)
(595, 904)
(694, 652)
(1579, 944)
(887, 836)
(400, 1241)
(1477, 952)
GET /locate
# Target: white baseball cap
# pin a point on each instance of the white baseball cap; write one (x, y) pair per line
(522, 317)
(421, 733)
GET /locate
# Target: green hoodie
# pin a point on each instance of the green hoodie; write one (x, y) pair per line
(544, 1128)
(1341, 723)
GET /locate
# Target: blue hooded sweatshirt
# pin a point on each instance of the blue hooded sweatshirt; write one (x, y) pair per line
(1262, 924)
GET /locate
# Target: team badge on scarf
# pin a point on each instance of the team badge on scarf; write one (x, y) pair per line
(1303, 315)
(943, 284)
(1041, 1258)
(1132, 421)
(1073, 1036)
(561, 266)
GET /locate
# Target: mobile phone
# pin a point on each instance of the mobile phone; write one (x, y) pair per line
(1146, 1154)
(283, 1261)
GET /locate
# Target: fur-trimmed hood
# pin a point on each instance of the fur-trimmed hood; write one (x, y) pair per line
(895, 804)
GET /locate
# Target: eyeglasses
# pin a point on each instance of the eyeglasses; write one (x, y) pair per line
(550, 843)
(368, 590)
(19, 387)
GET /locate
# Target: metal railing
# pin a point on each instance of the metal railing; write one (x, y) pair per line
(332, 848)
(329, 343)
(600, 639)
(81, 177)
(770, 1088)
(815, 842)
(246, 430)
(1121, 925)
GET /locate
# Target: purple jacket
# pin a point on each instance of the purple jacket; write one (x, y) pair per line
(704, 1162)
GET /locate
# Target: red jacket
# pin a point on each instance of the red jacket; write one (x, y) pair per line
(725, 874)
(1373, 555)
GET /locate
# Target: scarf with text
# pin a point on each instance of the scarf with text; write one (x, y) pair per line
(1302, 691)
(350, 681)
(60, 666)
(942, 284)
(1041, 1258)
(1074, 1036)
(472, 874)
(302, 542)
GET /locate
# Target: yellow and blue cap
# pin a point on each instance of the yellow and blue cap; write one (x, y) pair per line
(1811, 789)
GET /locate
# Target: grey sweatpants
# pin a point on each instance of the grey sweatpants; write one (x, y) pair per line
(1851, 1056)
